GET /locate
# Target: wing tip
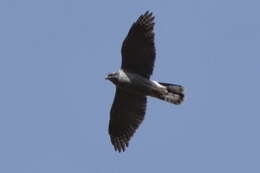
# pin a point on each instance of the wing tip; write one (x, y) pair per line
(148, 15)
(119, 144)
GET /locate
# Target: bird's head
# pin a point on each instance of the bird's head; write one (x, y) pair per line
(113, 77)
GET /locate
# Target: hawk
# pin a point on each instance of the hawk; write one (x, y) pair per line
(133, 83)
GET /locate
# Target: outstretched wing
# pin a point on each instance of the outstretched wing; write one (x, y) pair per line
(138, 50)
(126, 115)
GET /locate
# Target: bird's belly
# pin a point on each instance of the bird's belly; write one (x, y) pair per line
(142, 87)
(136, 86)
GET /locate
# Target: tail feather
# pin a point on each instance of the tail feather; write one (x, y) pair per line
(173, 87)
(175, 93)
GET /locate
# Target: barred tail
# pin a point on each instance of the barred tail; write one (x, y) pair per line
(175, 93)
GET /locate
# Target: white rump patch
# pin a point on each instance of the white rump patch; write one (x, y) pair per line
(158, 85)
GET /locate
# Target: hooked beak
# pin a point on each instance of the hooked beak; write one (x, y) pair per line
(107, 77)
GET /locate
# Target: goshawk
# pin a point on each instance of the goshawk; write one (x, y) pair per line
(133, 83)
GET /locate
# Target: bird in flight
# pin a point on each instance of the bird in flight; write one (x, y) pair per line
(133, 83)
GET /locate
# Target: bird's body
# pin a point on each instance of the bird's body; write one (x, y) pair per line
(133, 83)
(136, 84)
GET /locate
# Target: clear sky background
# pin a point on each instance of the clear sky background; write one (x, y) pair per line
(55, 103)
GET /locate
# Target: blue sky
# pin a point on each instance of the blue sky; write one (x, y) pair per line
(55, 102)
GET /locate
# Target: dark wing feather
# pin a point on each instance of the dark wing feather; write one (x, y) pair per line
(126, 115)
(138, 50)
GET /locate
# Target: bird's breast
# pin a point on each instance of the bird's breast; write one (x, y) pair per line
(135, 83)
